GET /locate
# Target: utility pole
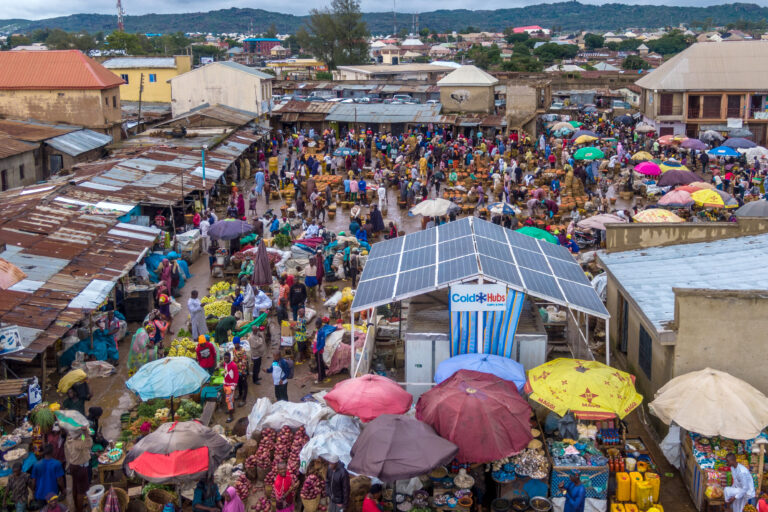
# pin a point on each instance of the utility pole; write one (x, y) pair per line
(205, 190)
(141, 90)
(120, 14)
(394, 18)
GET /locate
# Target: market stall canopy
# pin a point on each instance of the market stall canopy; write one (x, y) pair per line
(599, 221)
(467, 249)
(676, 198)
(167, 378)
(712, 403)
(538, 234)
(708, 199)
(648, 169)
(753, 209)
(482, 414)
(433, 207)
(368, 397)
(229, 229)
(656, 215)
(395, 447)
(502, 367)
(590, 389)
(677, 177)
(178, 452)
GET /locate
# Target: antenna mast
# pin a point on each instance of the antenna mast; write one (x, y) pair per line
(394, 18)
(120, 14)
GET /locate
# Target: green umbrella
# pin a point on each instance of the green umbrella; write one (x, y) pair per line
(538, 233)
(590, 153)
(575, 124)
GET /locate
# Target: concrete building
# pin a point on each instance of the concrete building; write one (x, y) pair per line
(526, 100)
(225, 83)
(710, 86)
(684, 307)
(425, 72)
(17, 163)
(156, 71)
(60, 87)
(468, 89)
(260, 46)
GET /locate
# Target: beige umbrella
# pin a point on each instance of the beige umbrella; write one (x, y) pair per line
(712, 403)
(433, 207)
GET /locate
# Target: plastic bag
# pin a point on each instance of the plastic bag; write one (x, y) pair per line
(332, 437)
(266, 414)
(670, 446)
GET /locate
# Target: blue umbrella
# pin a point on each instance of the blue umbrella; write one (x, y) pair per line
(739, 142)
(502, 208)
(168, 377)
(502, 367)
(344, 152)
(723, 151)
(579, 133)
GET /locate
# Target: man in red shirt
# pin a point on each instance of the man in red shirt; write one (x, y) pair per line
(372, 499)
(206, 354)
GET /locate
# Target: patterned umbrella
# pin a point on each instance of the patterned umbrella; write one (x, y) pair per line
(677, 199)
(590, 389)
(657, 215)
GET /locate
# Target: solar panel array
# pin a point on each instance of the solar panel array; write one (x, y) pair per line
(458, 251)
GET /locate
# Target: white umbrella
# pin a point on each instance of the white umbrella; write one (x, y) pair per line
(712, 403)
(754, 153)
(433, 207)
(599, 221)
(644, 128)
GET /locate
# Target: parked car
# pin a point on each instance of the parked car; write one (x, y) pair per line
(557, 105)
(402, 97)
(363, 99)
(316, 98)
(433, 102)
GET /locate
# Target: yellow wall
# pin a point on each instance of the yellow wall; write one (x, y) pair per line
(158, 91)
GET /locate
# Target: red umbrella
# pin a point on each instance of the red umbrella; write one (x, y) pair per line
(481, 413)
(368, 397)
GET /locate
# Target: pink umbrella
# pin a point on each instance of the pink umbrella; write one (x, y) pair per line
(676, 198)
(648, 168)
(599, 221)
(368, 397)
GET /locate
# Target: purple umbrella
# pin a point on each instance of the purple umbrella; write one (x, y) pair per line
(739, 142)
(677, 177)
(579, 133)
(694, 144)
(229, 229)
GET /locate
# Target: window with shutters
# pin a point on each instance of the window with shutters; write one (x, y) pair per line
(734, 105)
(645, 351)
(711, 108)
(666, 104)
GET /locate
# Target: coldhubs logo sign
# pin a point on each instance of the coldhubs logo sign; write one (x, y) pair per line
(478, 297)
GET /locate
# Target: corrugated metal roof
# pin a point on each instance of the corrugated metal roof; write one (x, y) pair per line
(33, 131)
(726, 66)
(79, 142)
(304, 107)
(226, 114)
(51, 70)
(140, 62)
(688, 266)
(384, 113)
(11, 147)
(245, 69)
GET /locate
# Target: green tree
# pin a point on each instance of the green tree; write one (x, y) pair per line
(634, 62)
(424, 32)
(292, 43)
(271, 31)
(58, 40)
(132, 44)
(206, 50)
(337, 36)
(517, 38)
(593, 41)
(551, 52)
(84, 42)
(485, 57)
(670, 43)
(18, 40)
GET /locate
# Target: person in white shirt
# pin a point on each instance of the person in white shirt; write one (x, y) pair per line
(743, 488)
(382, 194)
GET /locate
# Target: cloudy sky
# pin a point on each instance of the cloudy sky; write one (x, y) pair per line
(38, 9)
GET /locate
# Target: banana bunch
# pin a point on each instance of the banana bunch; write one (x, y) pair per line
(182, 347)
(220, 287)
(219, 308)
(208, 299)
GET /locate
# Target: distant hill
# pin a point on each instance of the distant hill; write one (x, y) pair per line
(566, 15)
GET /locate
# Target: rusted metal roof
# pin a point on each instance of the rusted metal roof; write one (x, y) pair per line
(10, 274)
(32, 131)
(384, 113)
(11, 147)
(227, 115)
(304, 107)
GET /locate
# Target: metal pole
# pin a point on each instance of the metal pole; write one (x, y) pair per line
(480, 325)
(608, 341)
(205, 190)
(141, 89)
(352, 344)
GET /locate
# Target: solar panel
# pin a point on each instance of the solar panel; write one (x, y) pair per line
(374, 291)
(454, 270)
(456, 229)
(378, 268)
(418, 258)
(491, 248)
(490, 230)
(386, 248)
(532, 260)
(568, 270)
(556, 251)
(522, 241)
(541, 284)
(455, 248)
(583, 297)
(419, 279)
(500, 270)
(420, 239)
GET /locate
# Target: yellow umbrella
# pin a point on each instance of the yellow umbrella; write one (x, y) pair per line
(708, 198)
(590, 389)
(584, 139)
(657, 215)
(678, 167)
(641, 156)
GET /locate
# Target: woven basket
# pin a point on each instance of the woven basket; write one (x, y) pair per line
(310, 505)
(122, 499)
(156, 499)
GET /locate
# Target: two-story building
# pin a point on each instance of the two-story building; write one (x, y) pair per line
(149, 75)
(710, 86)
